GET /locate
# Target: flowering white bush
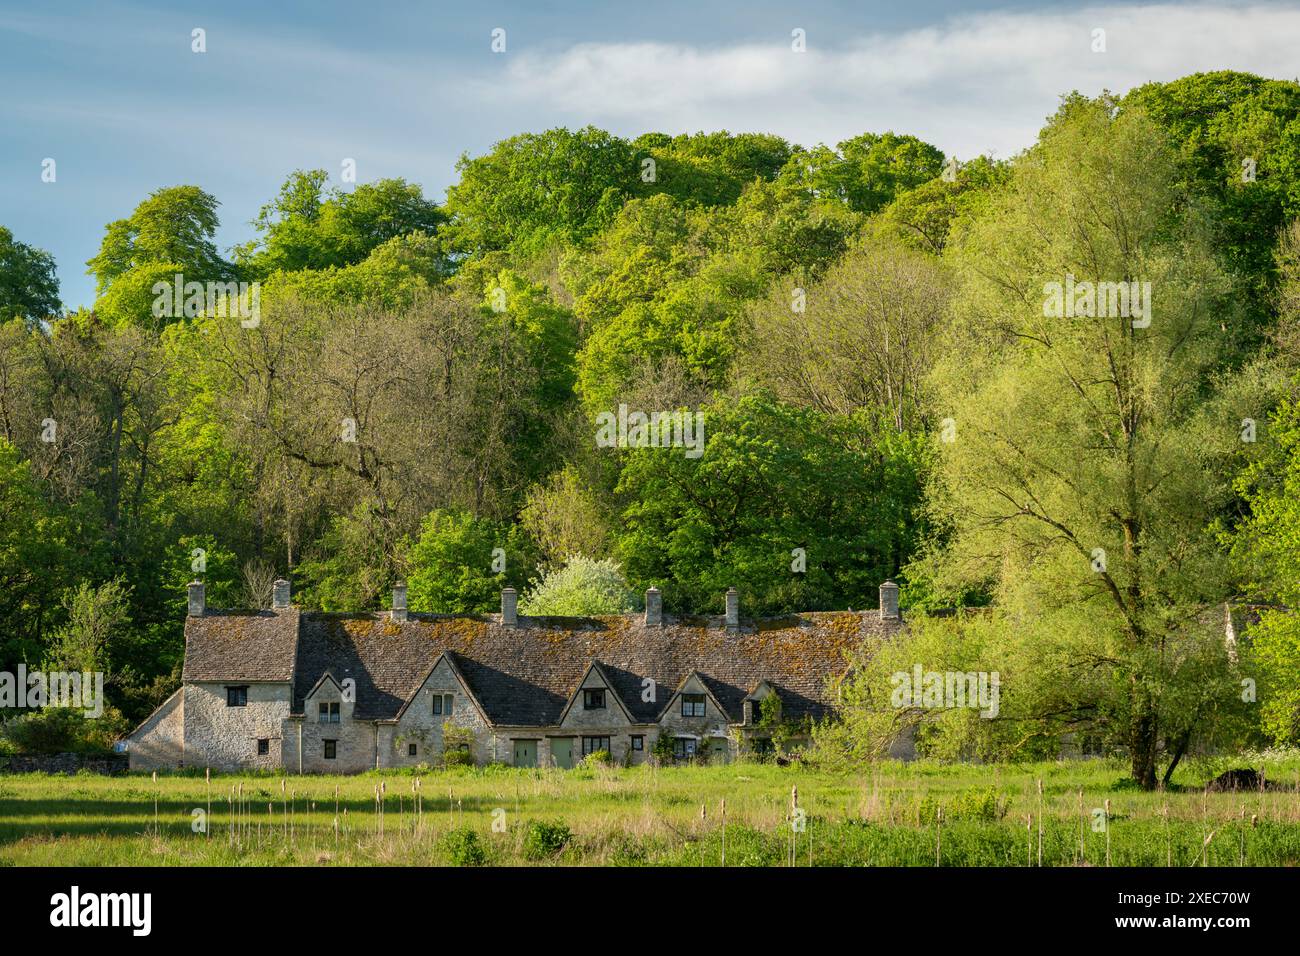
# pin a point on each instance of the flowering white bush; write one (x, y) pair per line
(583, 587)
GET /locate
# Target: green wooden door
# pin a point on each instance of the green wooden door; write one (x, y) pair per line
(562, 751)
(525, 753)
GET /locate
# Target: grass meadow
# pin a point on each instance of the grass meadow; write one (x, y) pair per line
(890, 814)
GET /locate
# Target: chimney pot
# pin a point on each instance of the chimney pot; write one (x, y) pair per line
(399, 601)
(654, 607)
(889, 601)
(733, 609)
(197, 602)
(509, 607)
(280, 595)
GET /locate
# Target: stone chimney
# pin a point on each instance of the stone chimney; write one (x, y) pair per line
(889, 601)
(197, 603)
(733, 609)
(280, 595)
(509, 607)
(399, 601)
(654, 607)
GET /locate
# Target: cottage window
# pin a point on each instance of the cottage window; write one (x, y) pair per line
(591, 744)
(443, 704)
(684, 748)
(593, 699)
(237, 696)
(692, 705)
(638, 743)
(331, 749)
(329, 712)
(410, 750)
(263, 746)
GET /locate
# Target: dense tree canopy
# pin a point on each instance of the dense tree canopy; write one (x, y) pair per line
(864, 332)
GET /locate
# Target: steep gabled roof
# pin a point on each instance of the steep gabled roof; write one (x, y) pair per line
(595, 666)
(704, 682)
(450, 658)
(241, 645)
(327, 676)
(525, 675)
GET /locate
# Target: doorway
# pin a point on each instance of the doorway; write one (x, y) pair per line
(562, 751)
(525, 753)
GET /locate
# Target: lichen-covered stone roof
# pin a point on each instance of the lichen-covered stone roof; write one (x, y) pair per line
(524, 675)
(241, 645)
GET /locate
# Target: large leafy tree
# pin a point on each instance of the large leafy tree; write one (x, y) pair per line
(174, 226)
(864, 336)
(1088, 456)
(309, 227)
(37, 559)
(459, 563)
(1238, 142)
(772, 479)
(866, 172)
(924, 217)
(29, 288)
(667, 283)
(537, 188)
(708, 169)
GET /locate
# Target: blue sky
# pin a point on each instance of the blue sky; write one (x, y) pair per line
(114, 94)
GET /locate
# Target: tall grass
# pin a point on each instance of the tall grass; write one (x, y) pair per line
(889, 814)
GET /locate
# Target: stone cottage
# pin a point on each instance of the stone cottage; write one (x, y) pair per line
(313, 692)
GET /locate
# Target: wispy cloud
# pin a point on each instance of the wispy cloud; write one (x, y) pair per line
(972, 83)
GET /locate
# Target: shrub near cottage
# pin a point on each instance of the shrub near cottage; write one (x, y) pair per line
(545, 839)
(458, 758)
(61, 729)
(457, 744)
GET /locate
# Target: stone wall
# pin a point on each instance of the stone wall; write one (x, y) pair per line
(354, 740)
(711, 732)
(159, 742)
(609, 721)
(64, 763)
(225, 738)
(423, 728)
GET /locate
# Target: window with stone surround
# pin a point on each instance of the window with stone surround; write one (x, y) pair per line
(329, 712)
(593, 699)
(692, 705)
(443, 704)
(638, 743)
(237, 696)
(263, 746)
(331, 749)
(592, 744)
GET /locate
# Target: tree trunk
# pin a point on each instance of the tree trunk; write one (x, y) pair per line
(1143, 737)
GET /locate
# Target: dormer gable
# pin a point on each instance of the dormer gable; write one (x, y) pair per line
(444, 680)
(753, 701)
(694, 700)
(595, 701)
(329, 701)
